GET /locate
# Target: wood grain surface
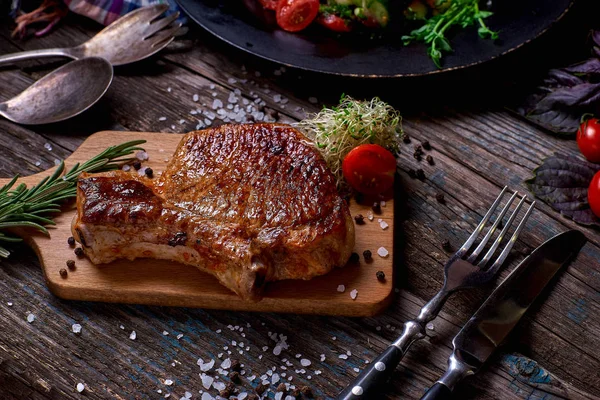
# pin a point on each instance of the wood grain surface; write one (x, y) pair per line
(478, 147)
(167, 283)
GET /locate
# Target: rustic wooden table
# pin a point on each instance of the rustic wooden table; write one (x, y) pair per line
(478, 148)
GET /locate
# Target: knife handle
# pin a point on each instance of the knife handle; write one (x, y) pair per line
(439, 391)
(371, 379)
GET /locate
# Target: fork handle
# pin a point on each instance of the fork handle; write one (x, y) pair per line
(373, 377)
(33, 54)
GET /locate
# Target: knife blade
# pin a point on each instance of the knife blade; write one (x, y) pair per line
(503, 309)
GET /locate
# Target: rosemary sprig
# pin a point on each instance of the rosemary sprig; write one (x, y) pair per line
(30, 208)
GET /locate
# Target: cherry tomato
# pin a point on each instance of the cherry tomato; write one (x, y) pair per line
(269, 4)
(594, 194)
(295, 15)
(334, 23)
(369, 168)
(588, 139)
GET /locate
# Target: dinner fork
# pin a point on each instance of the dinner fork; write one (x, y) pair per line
(136, 35)
(460, 272)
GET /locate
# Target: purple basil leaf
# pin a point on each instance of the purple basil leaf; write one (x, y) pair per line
(562, 182)
(557, 121)
(561, 78)
(576, 96)
(587, 67)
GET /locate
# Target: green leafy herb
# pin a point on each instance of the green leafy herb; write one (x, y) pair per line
(29, 208)
(461, 13)
(337, 130)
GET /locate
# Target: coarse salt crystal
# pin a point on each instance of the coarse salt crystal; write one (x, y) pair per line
(169, 90)
(30, 318)
(165, 333)
(370, 215)
(278, 395)
(188, 395)
(274, 379)
(195, 97)
(181, 121)
(9, 304)
(179, 336)
(125, 167)
(132, 335)
(382, 251)
(76, 328)
(48, 146)
(382, 203)
(219, 386)
(356, 370)
(353, 294)
(232, 81)
(349, 352)
(226, 363)
(168, 382)
(121, 327)
(277, 350)
(205, 366)
(343, 356)
(207, 380)
(341, 288)
(430, 326)
(141, 155)
(298, 355)
(383, 225)
(304, 362)
(322, 357)
(162, 119)
(38, 163)
(265, 348)
(80, 387)
(207, 396)
(334, 338)
(217, 104)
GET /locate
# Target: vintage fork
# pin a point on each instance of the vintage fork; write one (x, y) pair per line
(135, 36)
(460, 272)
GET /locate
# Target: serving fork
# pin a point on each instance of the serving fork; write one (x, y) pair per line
(461, 271)
(136, 35)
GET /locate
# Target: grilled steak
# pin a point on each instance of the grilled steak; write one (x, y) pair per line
(249, 204)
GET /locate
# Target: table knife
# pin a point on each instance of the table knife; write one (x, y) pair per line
(503, 309)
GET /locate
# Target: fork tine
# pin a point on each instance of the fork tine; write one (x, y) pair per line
(467, 245)
(152, 12)
(509, 245)
(491, 231)
(164, 34)
(157, 25)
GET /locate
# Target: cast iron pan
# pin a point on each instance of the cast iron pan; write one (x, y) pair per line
(316, 49)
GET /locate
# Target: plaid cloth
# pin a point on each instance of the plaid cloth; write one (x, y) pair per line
(107, 11)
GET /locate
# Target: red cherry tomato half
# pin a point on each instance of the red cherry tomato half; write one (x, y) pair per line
(334, 23)
(594, 194)
(295, 15)
(369, 168)
(588, 139)
(269, 4)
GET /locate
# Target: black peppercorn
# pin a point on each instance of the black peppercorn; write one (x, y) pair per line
(429, 160)
(137, 165)
(421, 174)
(354, 258)
(359, 219)
(446, 245)
(306, 391)
(426, 145)
(367, 255)
(406, 138)
(376, 207)
(440, 198)
(234, 376)
(71, 241)
(260, 389)
(63, 272)
(380, 276)
(78, 252)
(236, 366)
(71, 264)
(148, 172)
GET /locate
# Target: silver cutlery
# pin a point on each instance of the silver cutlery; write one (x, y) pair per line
(61, 94)
(460, 272)
(133, 37)
(503, 309)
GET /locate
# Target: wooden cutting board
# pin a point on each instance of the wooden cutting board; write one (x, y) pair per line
(157, 282)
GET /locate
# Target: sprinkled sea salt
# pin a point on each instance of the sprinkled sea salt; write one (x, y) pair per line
(179, 336)
(382, 203)
(30, 318)
(341, 288)
(232, 81)
(48, 146)
(304, 362)
(274, 379)
(382, 251)
(168, 382)
(165, 333)
(343, 356)
(226, 363)
(207, 396)
(370, 215)
(356, 370)
(76, 328)
(9, 304)
(125, 167)
(219, 386)
(38, 163)
(188, 395)
(383, 225)
(162, 119)
(277, 350)
(207, 380)
(141, 155)
(80, 387)
(430, 326)
(132, 335)
(353, 294)
(121, 327)
(322, 357)
(195, 98)
(205, 366)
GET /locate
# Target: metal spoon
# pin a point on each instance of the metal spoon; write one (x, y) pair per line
(134, 36)
(62, 94)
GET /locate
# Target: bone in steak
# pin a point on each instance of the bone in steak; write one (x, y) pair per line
(249, 204)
